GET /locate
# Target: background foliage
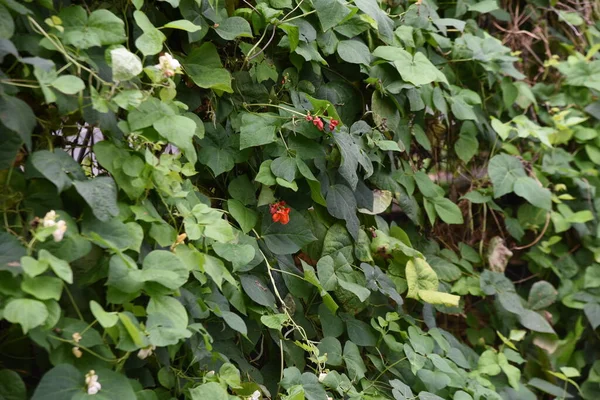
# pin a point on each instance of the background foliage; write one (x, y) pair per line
(443, 238)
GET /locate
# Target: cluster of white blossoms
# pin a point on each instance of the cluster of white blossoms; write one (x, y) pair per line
(91, 380)
(60, 225)
(168, 65)
(146, 352)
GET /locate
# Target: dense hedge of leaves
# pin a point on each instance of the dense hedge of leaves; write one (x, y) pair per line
(299, 199)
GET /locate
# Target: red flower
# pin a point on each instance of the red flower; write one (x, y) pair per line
(318, 122)
(280, 212)
(333, 123)
(308, 117)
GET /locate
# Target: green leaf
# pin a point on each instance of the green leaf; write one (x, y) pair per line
(26, 312)
(258, 129)
(354, 52)
(12, 386)
(326, 273)
(246, 217)
(592, 312)
(66, 382)
(60, 267)
(416, 69)
(68, 84)
(7, 25)
(541, 295)
(58, 167)
(100, 29)
(150, 42)
(229, 374)
(447, 210)
(204, 66)
(239, 255)
(420, 276)
(101, 195)
(256, 288)
(17, 116)
(167, 321)
(184, 25)
(210, 390)
(513, 373)
(274, 321)
(466, 146)
(180, 131)
(488, 363)
(549, 388)
(330, 13)
(286, 239)
(531, 190)
(359, 332)
(125, 64)
(385, 25)
(235, 322)
(106, 319)
(504, 170)
(12, 253)
(435, 297)
(161, 267)
(342, 205)
(43, 287)
(354, 362)
(333, 348)
(234, 27)
(484, 6)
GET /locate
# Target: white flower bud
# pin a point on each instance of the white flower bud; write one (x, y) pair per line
(146, 352)
(94, 388)
(76, 352)
(256, 395)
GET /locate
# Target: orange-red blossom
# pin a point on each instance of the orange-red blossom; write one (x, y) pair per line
(280, 212)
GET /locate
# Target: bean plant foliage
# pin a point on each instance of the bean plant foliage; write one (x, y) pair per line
(299, 199)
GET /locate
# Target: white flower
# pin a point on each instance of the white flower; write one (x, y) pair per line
(209, 374)
(59, 232)
(91, 380)
(49, 219)
(76, 337)
(256, 395)
(322, 376)
(76, 352)
(94, 388)
(146, 352)
(168, 65)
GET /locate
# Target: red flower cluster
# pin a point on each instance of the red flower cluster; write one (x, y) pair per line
(333, 123)
(280, 212)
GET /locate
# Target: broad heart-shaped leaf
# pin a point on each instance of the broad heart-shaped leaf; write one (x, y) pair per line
(416, 69)
(106, 319)
(258, 129)
(60, 267)
(235, 322)
(12, 386)
(385, 25)
(66, 382)
(68, 84)
(447, 210)
(204, 66)
(180, 131)
(150, 42)
(531, 190)
(17, 116)
(420, 276)
(286, 239)
(466, 146)
(504, 170)
(163, 268)
(256, 288)
(354, 52)
(125, 64)
(26, 312)
(58, 167)
(101, 195)
(210, 390)
(541, 295)
(234, 27)
(246, 217)
(167, 321)
(333, 348)
(100, 29)
(330, 12)
(43, 287)
(354, 362)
